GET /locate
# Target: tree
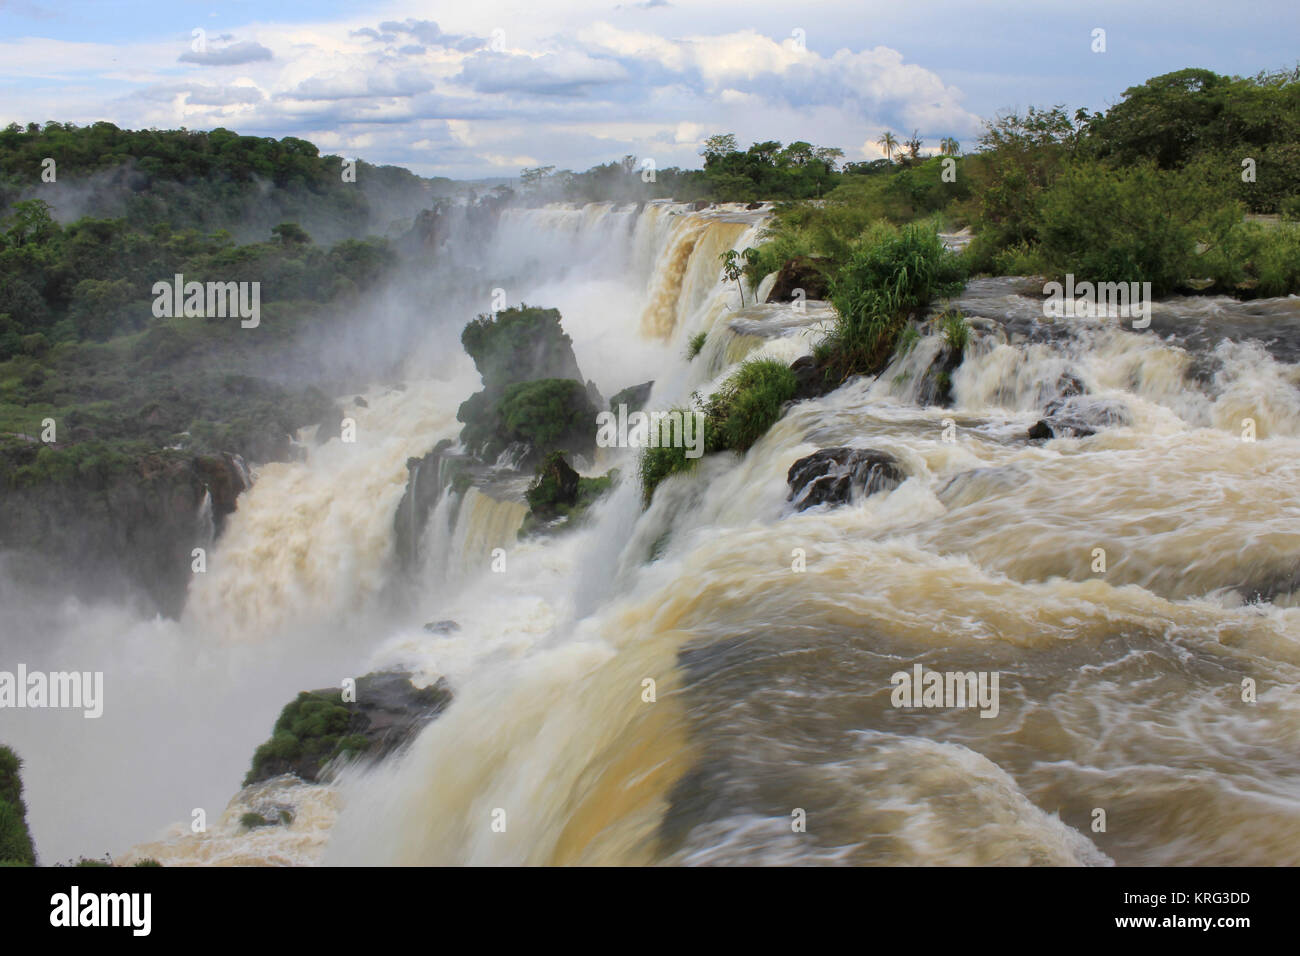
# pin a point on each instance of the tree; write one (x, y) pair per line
(732, 270)
(914, 146)
(888, 142)
(717, 146)
(949, 146)
(532, 176)
(291, 234)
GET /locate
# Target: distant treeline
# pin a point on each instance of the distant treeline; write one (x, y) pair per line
(1154, 189)
(205, 180)
(1171, 121)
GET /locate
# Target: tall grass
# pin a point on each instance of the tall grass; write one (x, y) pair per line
(891, 275)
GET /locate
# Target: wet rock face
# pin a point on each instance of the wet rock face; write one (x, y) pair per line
(1078, 417)
(810, 378)
(1279, 583)
(800, 272)
(223, 477)
(936, 381)
(834, 475)
(421, 494)
(634, 397)
(320, 726)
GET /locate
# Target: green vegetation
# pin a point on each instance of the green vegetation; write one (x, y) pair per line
(519, 344)
(749, 402)
(15, 839)
(547, 414)
(732, 270)
(765, 171)
(191, 179)
(663, 461)
(532, 390)
(695, 344)
(1151, 190)
(310, 732)
(956, 331)
(559, 492)
(890, 276)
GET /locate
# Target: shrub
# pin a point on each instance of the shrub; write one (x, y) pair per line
(891, 275)
(735, 417)
(548, 413)
(750, 402)
(696, 344)
(667, 459)
(311, 729)
(956, 331)
(1136, 224)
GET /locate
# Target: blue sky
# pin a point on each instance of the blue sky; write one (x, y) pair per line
(482, 88)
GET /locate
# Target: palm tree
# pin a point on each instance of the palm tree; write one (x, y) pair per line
(888, 143)
(914, 145)
(949, 146)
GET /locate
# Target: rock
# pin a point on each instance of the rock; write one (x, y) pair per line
(811, 379)
(1039, 431)
(835, 475)
(360, 402)
(1078, 417)
(634, 397)
(318, 727)
(224, 478)
(754, 205)
(936, 381)
(442, 627)
(557, 480)
(1280, 582)
(423, 487)
(701, 204)
(800, 272)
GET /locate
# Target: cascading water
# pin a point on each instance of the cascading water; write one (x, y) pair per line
(771, 635)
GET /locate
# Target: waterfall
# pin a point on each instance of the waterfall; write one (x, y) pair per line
(670, 685)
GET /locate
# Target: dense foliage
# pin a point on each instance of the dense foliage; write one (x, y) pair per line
(15, 838)
(204, 180)
(1153, 189)
(737, 415)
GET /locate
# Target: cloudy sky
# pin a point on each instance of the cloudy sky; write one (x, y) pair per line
(482, 88)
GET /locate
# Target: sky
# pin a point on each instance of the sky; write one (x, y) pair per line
(482, 88)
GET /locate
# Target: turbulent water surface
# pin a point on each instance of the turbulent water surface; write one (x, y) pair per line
(771, 635)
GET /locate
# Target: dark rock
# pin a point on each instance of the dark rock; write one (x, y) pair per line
(1039, 431)
(560, 480)
(1079, 417)
(811, 378)
(754, 205)
(1268, 587)
(360, 402)
(1070, 385)
(423, 487)
(936, 381)
(835, 475)
(125, 528)
(223, 477)
(701, 204)
(634, 397)
(319, 726)
(801, 272)
(442, 627)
